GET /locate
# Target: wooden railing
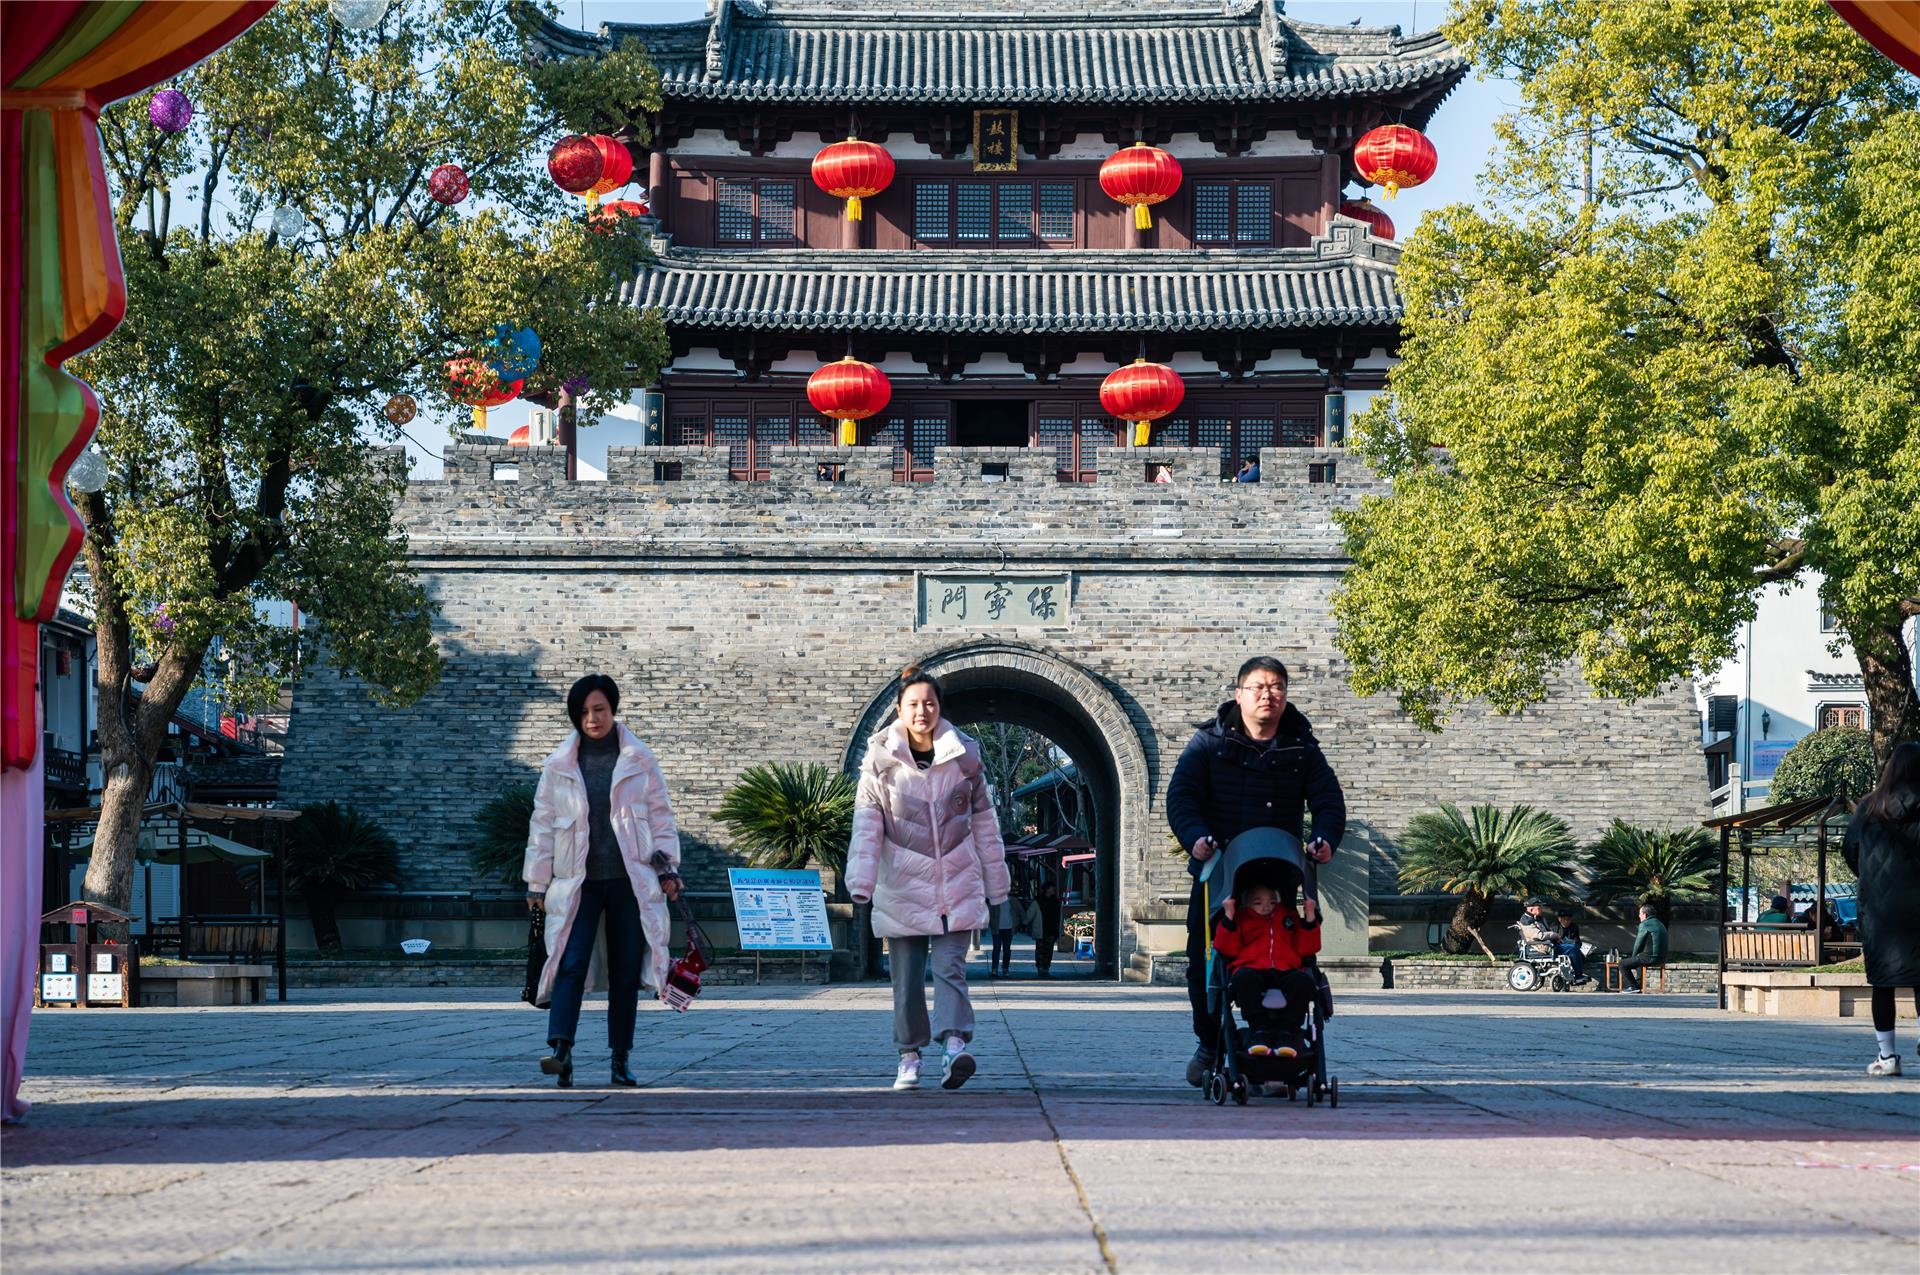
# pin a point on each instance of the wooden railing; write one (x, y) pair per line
(1756, 946)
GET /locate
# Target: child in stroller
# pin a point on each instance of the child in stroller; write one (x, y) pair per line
(1263, 960)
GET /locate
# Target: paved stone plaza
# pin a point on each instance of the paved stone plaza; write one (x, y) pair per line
(369, 1132)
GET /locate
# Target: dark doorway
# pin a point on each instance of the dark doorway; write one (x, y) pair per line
(991, 423)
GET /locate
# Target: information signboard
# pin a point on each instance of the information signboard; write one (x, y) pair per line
(780, 909)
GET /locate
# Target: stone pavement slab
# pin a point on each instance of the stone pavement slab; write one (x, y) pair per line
(408, 1130)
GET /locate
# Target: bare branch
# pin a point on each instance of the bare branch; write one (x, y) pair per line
(1788, 556)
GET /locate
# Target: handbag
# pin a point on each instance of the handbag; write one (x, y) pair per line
(536, 955)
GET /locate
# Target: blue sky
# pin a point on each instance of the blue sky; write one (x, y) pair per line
(1462, 133)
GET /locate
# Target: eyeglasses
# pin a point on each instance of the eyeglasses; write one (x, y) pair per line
(1265, 690)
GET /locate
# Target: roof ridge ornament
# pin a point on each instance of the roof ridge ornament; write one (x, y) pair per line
(1273, 30)
(722, 11)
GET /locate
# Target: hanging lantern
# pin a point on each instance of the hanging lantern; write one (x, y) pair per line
(575, 164)
(1142, 393)
(853, 170)
(1395, 156)
(359, 15)
(170, 111)
(1141, 176)
(448, 184)
(513, 355)
(522, 437)
(613, 212)
(1366, 210)
(289, 222)
(616, 167)
(88, 473)
(473, 382)
(849, 391)
(400, 408)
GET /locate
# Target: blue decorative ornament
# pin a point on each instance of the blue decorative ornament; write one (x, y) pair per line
(513, 355)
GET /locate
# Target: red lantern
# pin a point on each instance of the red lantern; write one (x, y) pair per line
(448, 184)
(1365, 210)
(616, 167)
(1140, 175)
(853, 170)
(1141, 393)
(575, 164)
(471, 381)
(1395, 156)
(849, 391)
(522, 437)
(611, 213)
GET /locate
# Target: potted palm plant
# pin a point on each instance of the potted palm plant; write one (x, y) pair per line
(499, 847)
(1484, 854)
(786, 815)
(1652, 866)
(333, 851)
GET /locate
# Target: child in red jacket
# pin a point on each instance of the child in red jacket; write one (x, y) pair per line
(1266, 945)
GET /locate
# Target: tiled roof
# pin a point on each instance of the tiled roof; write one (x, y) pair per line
(1343, 280)
(983, 52)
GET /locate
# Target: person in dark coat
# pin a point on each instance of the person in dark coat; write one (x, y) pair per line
(1046, 936)
(1255, 765)
(1883, 849)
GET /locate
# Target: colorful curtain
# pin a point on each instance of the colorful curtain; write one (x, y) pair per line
(1891, 26)
(61, 61)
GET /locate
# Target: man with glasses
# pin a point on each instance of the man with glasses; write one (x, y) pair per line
(1256, 765)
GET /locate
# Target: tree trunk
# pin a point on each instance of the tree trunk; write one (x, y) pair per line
(323, 911)
(1886, 671)
(1463, 931)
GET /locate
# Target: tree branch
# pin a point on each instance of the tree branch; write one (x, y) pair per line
(1788, 556)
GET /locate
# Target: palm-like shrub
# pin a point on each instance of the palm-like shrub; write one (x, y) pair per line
(499, 847)
(1837, 761)
(1482, 855)
(1653, 866)
(333, 850)
(785, 815)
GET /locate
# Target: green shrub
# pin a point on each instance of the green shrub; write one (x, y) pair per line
(1836, 761)
(1652, 866)
(785, 815)
(500, 841)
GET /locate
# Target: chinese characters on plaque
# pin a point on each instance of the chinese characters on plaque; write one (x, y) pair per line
(994, 601)
(996, 141)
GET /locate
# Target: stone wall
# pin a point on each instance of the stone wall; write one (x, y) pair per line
(748, 622)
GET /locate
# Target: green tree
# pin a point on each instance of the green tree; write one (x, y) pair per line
(785, 815)
(332, 851)
(1652, 866)
(1837, 761)
(239, 396)
(1486, 854)
(1618, 419)
(500, 835)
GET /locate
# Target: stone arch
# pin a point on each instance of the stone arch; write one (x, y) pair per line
(1080, 711)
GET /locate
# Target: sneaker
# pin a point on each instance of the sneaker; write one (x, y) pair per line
(956, 1065)
(908, 1077)
(1199, 1065)
(1884, 1065)
(1629, 991)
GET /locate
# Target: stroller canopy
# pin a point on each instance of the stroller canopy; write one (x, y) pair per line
(1260, 856)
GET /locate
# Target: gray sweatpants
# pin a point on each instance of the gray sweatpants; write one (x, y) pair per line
(952, 1011)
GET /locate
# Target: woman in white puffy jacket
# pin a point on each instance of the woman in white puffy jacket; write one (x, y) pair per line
(927, 853)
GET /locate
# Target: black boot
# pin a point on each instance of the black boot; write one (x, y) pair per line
(559, 1062)
(621, 1076)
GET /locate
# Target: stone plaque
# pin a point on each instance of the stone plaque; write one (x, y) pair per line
(996, 141)
(993, 600)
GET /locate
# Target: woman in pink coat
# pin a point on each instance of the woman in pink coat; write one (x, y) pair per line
(601, 848)
(926, 852)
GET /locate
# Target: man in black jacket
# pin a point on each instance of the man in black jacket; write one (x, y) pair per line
(1256, 765)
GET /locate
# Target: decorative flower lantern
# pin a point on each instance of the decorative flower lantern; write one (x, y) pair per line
(513, 355)
(616, 167)
(400, 408)
(1395, 156)
(88, 473)
(1142, 393)
(575, 164)
(475, 383)
(448, 184)
(170, 110)
(359, 15)
(1366, 210)
(289, 222)
(853, 170)
(849, 391)
(1141, 176)
(613, 212)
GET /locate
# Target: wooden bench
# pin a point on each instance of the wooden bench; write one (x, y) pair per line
(1754, 946)
(239, 939)
(1616, 979)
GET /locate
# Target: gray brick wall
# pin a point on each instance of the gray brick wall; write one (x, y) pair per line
(748, 622)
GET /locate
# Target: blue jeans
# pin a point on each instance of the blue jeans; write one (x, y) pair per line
(626, 948)
(1565, 948)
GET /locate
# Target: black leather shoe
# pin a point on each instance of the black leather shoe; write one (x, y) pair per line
(559, 1063)
(621, 1076)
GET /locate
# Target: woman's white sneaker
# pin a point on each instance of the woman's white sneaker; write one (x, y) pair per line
(956, 1065)
(908, 1077)
(1884, 1065)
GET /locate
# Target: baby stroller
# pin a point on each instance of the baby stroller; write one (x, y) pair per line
(1274, 858)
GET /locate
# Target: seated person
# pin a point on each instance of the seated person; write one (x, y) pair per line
(1536, 927)
(1649, 948)
(1778, 912)
(1569, 945)
(1265, 944)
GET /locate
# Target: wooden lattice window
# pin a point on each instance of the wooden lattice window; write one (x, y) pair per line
(751, 210)
(1233, 213)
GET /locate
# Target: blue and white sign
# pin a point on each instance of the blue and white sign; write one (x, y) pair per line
(1766, 756)
(780, 909)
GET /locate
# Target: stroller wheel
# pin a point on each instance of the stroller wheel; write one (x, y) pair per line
(1333, 1092)
(1240, 1091)
(1217, 1089)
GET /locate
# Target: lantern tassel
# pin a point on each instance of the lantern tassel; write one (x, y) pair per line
(1393, 188)
(853, 208)
(849, 433)
(1142, 433)
(480, 419)
(1142, 219)
(593, 201)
